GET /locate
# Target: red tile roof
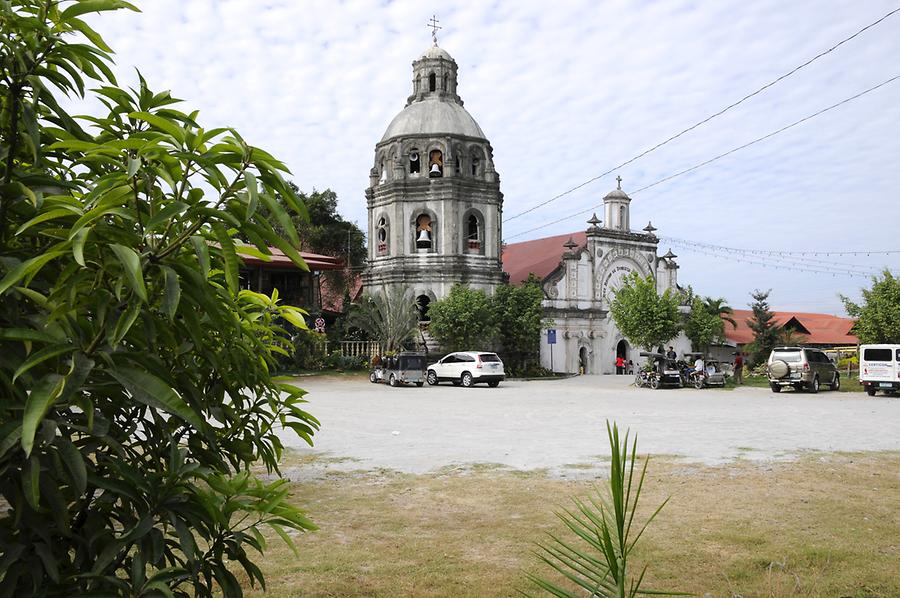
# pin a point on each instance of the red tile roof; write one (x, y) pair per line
(333, 297)
(540, 256)
(824, 329)
(315, 261)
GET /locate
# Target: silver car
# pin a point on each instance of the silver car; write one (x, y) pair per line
(801, 368)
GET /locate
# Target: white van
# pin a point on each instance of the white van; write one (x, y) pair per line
(879, 368)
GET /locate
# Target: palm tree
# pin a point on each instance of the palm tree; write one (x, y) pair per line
(719, 307)
(390, 317)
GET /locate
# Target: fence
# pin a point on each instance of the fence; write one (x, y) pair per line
(367, 349)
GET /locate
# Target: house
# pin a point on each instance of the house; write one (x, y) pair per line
(295, 286)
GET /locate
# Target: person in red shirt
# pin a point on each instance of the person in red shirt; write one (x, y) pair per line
(738, 369)
(620, 365)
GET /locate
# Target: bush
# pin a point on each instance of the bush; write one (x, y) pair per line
(309, 350)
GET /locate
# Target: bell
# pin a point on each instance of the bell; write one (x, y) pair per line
(424, 239)
(435, 170)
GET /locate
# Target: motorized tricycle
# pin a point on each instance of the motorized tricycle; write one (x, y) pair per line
(660, 371)
(407, 367)
(710, 375)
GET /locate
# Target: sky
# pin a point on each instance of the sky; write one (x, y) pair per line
(566, 91)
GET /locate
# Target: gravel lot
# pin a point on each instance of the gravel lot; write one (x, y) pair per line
(559, 425)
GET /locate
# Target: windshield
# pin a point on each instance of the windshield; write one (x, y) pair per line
(788, 356)
(489, 357)
(877, 355)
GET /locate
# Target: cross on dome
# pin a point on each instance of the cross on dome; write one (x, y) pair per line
(619, 181)
(433, 23)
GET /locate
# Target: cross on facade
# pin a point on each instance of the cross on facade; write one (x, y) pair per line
(433, 23)
(619, 180)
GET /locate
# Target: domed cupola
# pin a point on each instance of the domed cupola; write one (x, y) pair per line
(616, 208)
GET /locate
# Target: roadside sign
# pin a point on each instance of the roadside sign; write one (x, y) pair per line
(551, 336)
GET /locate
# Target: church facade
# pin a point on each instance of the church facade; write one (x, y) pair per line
(434, 201)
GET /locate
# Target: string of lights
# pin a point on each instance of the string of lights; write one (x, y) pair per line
(772, 261)
(707, 119)
(724, 154)
(780, 266)
(778, 252)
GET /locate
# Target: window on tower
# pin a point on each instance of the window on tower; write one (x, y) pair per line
(381, 233)
(414, 164)
(432, 82)
(473, 234)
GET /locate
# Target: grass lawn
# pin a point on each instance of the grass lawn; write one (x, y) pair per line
(850, 384)
(824, 525)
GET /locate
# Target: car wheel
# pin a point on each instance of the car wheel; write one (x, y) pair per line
(392, 380)
(836, 383)
(698, 383)
(494, 383)
(654, 383)
(432, 378)
(775, 387)
(467, 379)
(814, 385)
(373, 378)
(870, 391)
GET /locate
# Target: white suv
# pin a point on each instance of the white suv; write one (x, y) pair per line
(467, 368)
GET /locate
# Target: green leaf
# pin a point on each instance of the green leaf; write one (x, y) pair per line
(232, 262)
(27, 268)
(88, 6)
(125, 322)
(74, 462)
(160, 123)
(132, 264)
(78, 245)
(176, 208)
(134, 164)
(41, 356)
(48, 215)
(152, 391)
(202, 251)
(173, 292)
(31, 480)
(26, 334)
(253, 191)
(40, 399)
(282, 217)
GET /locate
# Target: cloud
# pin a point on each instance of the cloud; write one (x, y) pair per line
(564, 92)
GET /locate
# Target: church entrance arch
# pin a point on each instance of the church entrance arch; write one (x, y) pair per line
(583, 360)
(422, 303)
(622, 351)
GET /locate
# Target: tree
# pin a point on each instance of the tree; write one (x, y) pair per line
(390, 317)
(703, 325)
(464, 320)
(646, 318)
(765, 330)
(878, 317)
(518, 314)
(720, 308)
(135, 374)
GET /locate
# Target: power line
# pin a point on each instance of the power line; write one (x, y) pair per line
(723, 155)
(707, 119)
(777, 266)
(785, 253)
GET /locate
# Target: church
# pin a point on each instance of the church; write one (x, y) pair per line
(435, 219)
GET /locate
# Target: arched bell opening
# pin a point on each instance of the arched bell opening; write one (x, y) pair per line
(415, 163)
(432, 82)
(424, 232)
(473, 228)
(422, 303)
(382, 236)
(435, 163)
(444, 83)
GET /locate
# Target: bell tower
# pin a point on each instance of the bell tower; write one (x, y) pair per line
(434, 201)
(616, 207)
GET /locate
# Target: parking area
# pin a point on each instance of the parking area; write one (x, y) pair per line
(559, 425)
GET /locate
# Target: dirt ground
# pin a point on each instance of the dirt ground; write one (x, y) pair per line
(549, 425)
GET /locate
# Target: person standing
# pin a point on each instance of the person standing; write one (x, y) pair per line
(738, 368)
(671, 354)
(620, 365)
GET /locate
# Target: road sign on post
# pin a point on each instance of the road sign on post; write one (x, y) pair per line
(551, 336)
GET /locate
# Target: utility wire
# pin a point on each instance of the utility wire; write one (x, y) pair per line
(795, 268)
(707, 119)
(778, 252)
(723, 155)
